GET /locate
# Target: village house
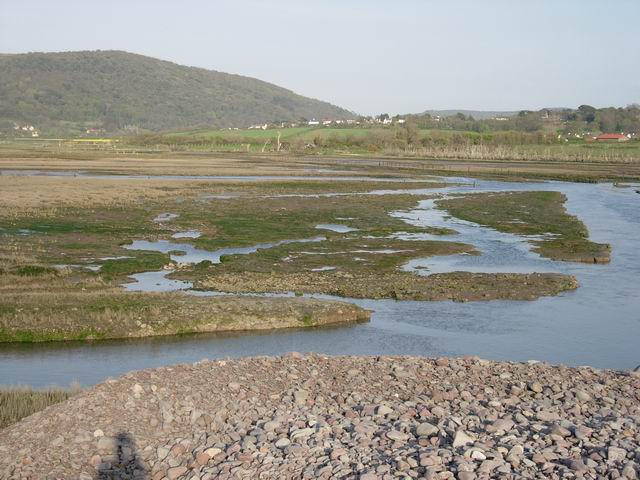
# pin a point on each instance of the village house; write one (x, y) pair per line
(612, 137)
(313, 123)
(24, 128)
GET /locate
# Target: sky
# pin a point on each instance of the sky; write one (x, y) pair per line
(369, 56)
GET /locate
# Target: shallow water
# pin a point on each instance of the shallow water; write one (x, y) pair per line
(244, 178)
(165, 217)
(187, 234)
(598, 324)
(186, 253)
(335, 227)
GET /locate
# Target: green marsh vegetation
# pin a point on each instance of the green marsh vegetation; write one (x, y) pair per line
(48, 292)
(561, 235)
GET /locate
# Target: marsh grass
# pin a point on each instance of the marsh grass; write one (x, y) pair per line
(561, 235)
(140, 262)
(19, 402)
(355, 255)
(57, 315)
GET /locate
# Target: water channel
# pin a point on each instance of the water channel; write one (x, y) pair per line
(597, 325)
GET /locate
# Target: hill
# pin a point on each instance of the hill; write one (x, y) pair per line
(114, 89)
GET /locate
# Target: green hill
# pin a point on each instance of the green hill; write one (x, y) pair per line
(70, 91)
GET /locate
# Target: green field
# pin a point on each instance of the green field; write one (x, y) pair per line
(244, 133)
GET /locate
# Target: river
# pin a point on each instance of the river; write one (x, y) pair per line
(597, 325)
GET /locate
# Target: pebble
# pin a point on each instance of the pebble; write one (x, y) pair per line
(535, 387)
(283, 443)
(313, 416)
(397, 436)
(615, 454)
(426, 430)
(176, 472)
(461, 439)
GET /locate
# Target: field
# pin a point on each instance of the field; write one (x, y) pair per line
(398, 141)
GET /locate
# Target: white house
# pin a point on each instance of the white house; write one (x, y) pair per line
(313, 123)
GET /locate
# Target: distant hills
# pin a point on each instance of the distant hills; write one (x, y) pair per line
(114, 90)
(477, 114)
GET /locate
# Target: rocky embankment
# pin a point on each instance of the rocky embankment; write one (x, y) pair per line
(456, 286)
(338, 417)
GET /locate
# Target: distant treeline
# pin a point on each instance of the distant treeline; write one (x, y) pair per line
(544, 127)
(586, 119)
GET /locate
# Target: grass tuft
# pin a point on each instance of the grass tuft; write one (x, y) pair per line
(20, 402)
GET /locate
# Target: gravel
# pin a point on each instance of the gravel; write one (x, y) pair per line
(311, 416)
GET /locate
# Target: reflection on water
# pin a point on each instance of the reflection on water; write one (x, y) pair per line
(598, 324)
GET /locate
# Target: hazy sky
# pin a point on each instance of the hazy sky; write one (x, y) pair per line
(369, 56)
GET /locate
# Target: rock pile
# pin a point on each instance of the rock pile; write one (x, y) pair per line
(313, 416)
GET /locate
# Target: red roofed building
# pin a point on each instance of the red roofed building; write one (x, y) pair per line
(612, 137)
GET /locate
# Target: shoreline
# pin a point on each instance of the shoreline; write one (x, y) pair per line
(314, 416)
(178, 314)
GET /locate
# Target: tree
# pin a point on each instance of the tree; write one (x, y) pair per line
(528, 121)
(608, 121)
(587, 112)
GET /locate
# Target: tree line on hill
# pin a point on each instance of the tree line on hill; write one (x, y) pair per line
(583, 120)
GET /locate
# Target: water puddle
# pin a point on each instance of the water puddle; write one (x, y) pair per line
(187, 254)
(21, 232)
(165, 217)
(64, 266)
(334, 227)
(156, 282)
(187, 234)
